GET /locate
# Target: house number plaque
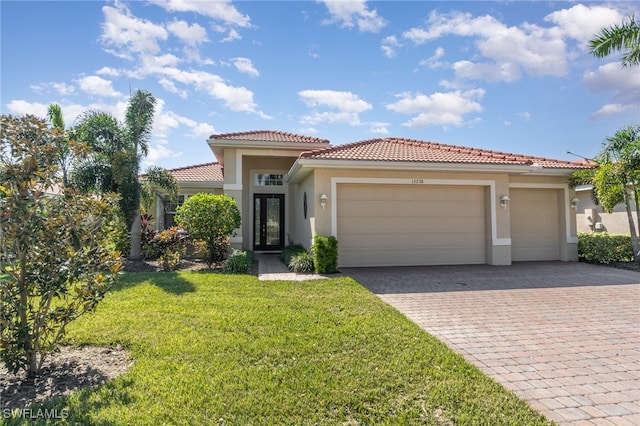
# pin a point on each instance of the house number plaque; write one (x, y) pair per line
(417, 181)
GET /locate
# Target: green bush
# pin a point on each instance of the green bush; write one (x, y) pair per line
(325, 250)
(239, 262)
(604, 248)
(291, 250)
(302, 263)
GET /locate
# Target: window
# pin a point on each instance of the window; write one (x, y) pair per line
(170, 208)
(269, 179)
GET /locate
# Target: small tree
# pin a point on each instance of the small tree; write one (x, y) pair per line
(616, 178)
(210, 218)
(55, 264)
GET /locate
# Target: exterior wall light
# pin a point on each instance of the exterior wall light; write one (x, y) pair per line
(574, 202)
(504, 201)
(323, 200)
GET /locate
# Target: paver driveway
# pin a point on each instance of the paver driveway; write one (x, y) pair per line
(563, 336)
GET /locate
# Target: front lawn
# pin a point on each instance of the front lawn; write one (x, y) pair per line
(229, 349)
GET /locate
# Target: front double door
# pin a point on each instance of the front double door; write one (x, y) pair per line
(268, 222)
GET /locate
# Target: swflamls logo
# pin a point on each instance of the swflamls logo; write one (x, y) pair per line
(34, 414)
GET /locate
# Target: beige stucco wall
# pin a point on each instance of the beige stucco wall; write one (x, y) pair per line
(250, 165)
(498, 222)
(588, 214)
(300, 227)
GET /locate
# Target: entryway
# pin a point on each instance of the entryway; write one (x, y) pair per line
(268, 222)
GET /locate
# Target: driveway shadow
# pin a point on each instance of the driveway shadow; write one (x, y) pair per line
(520, 275)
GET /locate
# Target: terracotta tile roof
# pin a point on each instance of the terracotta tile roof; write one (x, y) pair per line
(409, 150)
(198, 173)
(269, 136)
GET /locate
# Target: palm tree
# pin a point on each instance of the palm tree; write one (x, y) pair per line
(139, 122)
(62, 140)
(114, 164)
(616, 178)
(624, 37)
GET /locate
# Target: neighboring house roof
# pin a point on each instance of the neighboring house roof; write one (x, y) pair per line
(268, 136)
(199, 173)
(409, 150)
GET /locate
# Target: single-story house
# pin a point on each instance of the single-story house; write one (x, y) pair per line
(390, 201)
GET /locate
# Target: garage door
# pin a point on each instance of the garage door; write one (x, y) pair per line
(535, 224)
(388, 225)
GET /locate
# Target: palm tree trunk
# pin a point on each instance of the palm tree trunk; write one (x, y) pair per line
(136, 236)
(632, 228)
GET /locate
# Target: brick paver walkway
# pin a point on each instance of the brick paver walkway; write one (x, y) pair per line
(563, 336)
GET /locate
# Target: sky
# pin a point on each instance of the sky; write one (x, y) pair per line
(509, 76)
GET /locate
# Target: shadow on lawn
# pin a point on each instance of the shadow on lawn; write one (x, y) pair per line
(77, 410)
(169, 282)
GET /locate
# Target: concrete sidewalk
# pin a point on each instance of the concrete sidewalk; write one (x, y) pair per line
(563, 336)
(271, 268)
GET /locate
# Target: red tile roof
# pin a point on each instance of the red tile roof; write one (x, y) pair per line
(198, 173)
(409, 150)
(268, 136)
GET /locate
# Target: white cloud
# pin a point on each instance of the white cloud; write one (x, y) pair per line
(348, 106)
(170, 87)
(379, 128)
(612, 109)
(489, 71)
(245, 66)
(98, 86)
(511, 51)
(62, 89)
(622, 83)
(191, 35)
(525, 115)
(70, 112)
(389, 45)
(22, 107)
(203, 131)
(108, 71)
(582, 22)
(124, 31)
(221, 10)
(344, 101)
(434, 60)
(438, 108)
(354, 13)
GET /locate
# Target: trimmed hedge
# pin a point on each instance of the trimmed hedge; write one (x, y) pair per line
(604, 248)
(325, 251)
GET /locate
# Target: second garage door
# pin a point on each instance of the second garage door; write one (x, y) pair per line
(388, 225)
(535, 224)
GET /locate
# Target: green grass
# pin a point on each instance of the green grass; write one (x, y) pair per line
(229, 349)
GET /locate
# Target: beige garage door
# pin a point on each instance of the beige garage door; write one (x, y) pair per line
(388, 225)
(535, 224)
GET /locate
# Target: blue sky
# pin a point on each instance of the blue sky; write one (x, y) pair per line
(506, 76)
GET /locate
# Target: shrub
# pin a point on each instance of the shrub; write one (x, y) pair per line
(604, 248)
(302, 263)
(169, 260)
(210, 218)
(239, 262)
(291, 250)
(325, 251)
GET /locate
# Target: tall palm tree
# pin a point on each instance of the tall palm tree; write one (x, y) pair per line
(62, 139)
(139, 123)
(624, 37)
(117, 150)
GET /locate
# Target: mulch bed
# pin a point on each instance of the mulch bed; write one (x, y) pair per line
(69, 370)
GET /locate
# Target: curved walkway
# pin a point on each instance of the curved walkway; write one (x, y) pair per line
(563, 336)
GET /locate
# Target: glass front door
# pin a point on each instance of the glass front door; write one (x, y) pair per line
(268, 221)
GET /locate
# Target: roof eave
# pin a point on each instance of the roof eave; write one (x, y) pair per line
(303, 166)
